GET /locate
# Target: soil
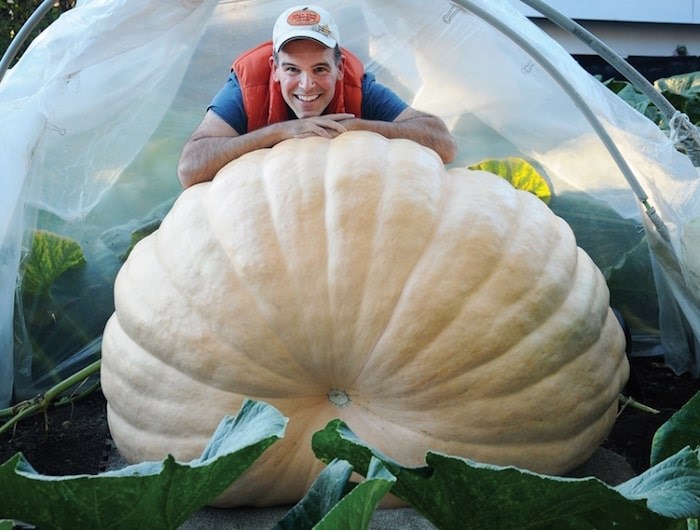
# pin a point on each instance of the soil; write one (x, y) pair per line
(74, 439)
(655, 385)
(66, 440)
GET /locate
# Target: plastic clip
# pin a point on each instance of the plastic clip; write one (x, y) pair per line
(451, 13)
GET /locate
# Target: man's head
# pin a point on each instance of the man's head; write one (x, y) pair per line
(306, 59)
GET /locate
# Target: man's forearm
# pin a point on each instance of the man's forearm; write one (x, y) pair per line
(202, 158)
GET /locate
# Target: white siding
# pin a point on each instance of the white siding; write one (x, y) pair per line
(629, 38)
(656, 11)
(630, 27)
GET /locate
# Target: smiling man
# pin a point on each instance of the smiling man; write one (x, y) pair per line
(300, 84)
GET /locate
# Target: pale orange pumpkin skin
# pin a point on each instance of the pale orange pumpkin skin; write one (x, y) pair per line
(456, 313)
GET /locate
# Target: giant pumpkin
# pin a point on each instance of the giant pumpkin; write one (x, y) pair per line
(430, 309)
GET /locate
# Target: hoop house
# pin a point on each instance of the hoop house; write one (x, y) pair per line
(96, 111)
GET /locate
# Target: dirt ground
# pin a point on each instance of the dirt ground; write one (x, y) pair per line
(73, 439)
(655, 385)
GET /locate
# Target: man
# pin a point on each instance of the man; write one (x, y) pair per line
(301, 84)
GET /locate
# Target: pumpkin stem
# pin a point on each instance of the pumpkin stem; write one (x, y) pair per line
(635, 404)
(338, 397)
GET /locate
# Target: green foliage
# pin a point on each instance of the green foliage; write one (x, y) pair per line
(151, 494)
(66, 299)
(14, 13)
(332, 504)
(681, 430)
(326, 491)
(682, 91)
(451, 492)
(456, 493)
(354, 511)
(50, 256)
(636, 99)
(47, 316)
(520, 173)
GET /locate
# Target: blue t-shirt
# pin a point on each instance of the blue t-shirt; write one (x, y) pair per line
(378, 103)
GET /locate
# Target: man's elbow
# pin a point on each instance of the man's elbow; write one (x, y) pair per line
(188, 172)
(185, 175)
(443, 141)
(449, 150)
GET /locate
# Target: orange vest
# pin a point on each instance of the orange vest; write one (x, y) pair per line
(262, 97)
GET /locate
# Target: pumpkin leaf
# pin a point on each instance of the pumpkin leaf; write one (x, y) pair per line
(327, 490)
(140, 233)
(671, 487)
(682, 91)
(681, 430)
(354, 511)
(520, 173)
(333, 503)
(51, 255)
(456, 493)
(163, 494)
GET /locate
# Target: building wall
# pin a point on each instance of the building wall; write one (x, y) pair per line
(630, 27)
(654, 11)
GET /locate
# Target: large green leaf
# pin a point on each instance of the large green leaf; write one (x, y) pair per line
(682, 91)
(355, 511)
(51, 255)
(681, 430)
(151, 494)
(640, 102)
(520, 173)
(327, 490)
(670, 488)
(328, 505)
(455, 493)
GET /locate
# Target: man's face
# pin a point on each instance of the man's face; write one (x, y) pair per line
(307, 74)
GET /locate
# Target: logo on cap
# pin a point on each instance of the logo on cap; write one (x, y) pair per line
(306, 22)
(303, 17)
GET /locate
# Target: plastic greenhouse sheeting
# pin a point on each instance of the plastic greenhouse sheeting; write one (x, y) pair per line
(96, 111)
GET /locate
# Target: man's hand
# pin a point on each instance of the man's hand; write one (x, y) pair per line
(328, 126)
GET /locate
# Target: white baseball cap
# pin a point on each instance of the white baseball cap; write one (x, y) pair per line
(305, 22)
